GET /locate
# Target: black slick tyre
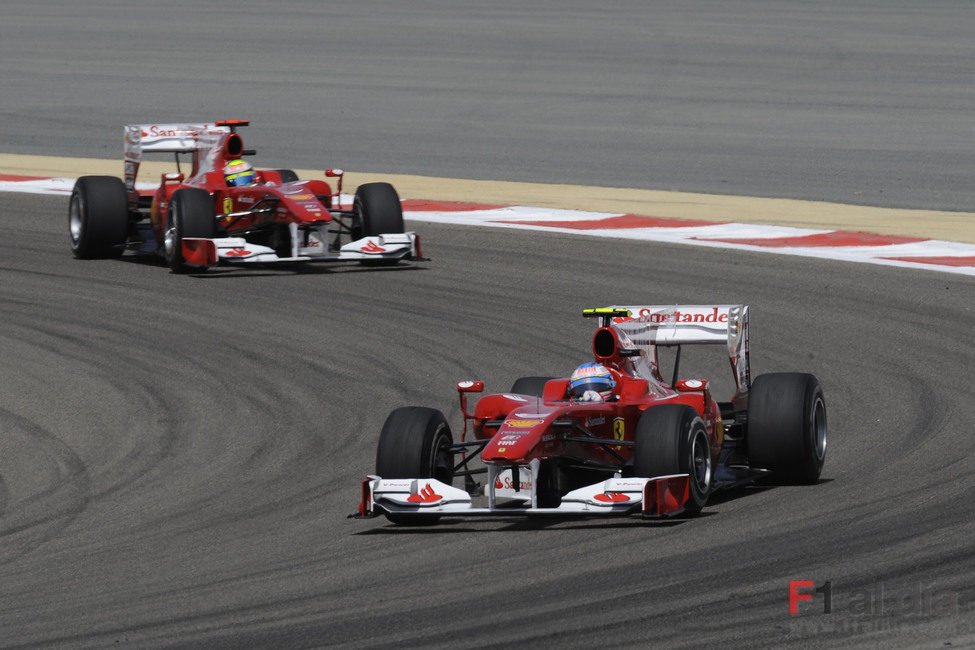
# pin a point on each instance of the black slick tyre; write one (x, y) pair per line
(787, 426)
(287, 175)
(376, 210)
(672, 439)
(98, 217)
(414, 443)
(190, 214)
(533, 386)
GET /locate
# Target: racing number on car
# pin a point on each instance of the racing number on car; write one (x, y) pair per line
(619, 429)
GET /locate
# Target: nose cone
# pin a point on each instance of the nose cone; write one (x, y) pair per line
(516, 438)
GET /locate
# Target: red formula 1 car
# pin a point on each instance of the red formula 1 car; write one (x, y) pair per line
(650, 447)
(200, 221)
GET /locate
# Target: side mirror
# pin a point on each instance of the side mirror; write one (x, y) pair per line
(334, 173)
(471, 386)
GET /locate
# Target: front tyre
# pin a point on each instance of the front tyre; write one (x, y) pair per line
(672, 439)
(98, 217)
(532, 386)
(787, 426)
(287, 175)
(415, 443)
(190, 214)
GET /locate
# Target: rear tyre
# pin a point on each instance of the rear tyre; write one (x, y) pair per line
(533, 386)
(190, 214)
(414, 443)
(98, 217)
(287, 175)
(787, 426)
(672, 439)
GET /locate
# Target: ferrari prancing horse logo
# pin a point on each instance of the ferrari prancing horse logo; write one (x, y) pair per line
(619, 429)
(228, 205)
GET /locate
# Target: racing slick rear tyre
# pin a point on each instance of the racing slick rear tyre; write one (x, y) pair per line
(672, 439)
(376, 210)
(98, 217)
(787, 426)
(414, 443)
(533, 386)
(287, 175)
(190, 214)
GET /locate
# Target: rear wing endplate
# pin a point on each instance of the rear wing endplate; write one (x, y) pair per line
(653, 325)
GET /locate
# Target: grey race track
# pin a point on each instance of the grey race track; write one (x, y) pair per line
(871, 101)
(178, 454)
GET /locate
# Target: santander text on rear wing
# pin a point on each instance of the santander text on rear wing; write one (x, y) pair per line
(653, 325)
(165, 138)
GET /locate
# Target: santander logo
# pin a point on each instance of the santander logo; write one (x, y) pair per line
(237, 252)
(508, 484)
(372, 247)
(611, 497)
(426, 495)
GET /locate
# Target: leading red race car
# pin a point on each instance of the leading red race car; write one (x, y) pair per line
(203, 220)
(644, 446)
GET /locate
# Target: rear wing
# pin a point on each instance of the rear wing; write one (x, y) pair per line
(653, 325)
(166, 138)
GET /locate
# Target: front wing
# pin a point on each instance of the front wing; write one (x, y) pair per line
(650, 497)
(237, 250)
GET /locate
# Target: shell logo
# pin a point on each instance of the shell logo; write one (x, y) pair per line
(522, 424)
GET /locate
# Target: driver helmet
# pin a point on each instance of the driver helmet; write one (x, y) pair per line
(591, 378)
(239, 173)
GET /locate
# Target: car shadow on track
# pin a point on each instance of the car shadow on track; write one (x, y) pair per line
(257, 270)
(456, 525)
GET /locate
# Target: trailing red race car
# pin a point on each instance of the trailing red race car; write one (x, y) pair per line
(613, 439)
(226, 212)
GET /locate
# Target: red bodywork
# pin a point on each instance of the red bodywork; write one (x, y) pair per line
(299, 201)
(520, 428)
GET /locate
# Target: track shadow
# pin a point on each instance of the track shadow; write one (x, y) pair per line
(265, 270)
(227, 272)
(744, 491)
(534, 524)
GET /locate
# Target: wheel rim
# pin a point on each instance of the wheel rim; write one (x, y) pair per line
(358, 223)
(443, 461)
(74, 218)
(701, 462)
(819, 428)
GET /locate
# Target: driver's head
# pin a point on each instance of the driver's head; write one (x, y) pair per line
(239, 173)
(591, 377)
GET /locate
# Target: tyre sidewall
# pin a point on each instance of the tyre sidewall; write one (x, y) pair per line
(665, 439)
(376, 210)
(189, 215)
(101, 203)
(783, 429)
(408, 447)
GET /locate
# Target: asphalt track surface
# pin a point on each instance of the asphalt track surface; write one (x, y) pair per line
(869, 102)
(178, 454)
